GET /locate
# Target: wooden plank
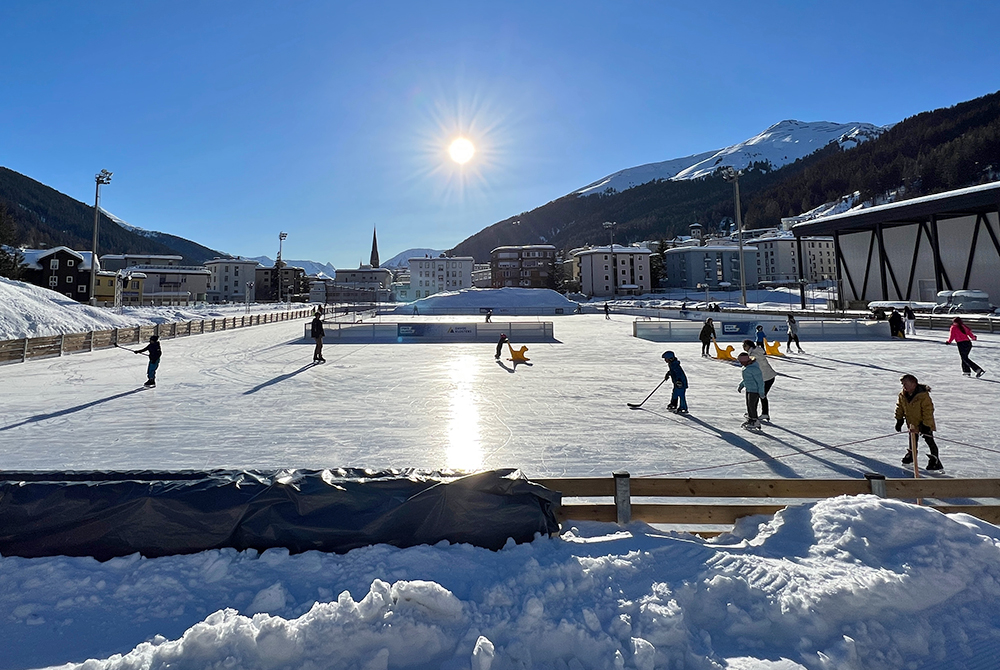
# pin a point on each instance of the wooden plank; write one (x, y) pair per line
(942, 488)
(580, 486)
(748, 488)
(695, 514)
(587, 513)
(988, 513)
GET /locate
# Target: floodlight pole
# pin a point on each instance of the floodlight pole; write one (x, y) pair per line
(729, 174)
(103, 177)
(281, 238)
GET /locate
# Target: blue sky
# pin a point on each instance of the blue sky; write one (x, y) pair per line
(227, 122)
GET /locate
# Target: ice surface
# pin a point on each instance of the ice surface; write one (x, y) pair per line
(844, 583)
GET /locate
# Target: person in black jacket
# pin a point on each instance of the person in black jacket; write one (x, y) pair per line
(502, 341)
(317, 333)
(896, 324)
(154, 351)
(706, 336)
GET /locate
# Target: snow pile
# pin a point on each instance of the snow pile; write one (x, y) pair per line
(494, 298)
(781, 144)
(849, 582)
(32, 311)
(27, 310)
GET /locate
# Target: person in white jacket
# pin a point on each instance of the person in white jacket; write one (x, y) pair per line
(757, 352)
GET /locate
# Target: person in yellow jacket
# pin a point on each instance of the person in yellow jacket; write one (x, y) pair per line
(916, 409)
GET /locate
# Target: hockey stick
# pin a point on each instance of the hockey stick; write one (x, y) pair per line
(126, 348)
(633, 405)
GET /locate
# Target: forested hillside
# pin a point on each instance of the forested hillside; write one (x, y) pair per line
(45, 217)
(926, 153)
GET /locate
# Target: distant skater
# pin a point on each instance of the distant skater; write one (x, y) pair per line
(962, 336)
(317, 333)
(489, 316)
(678, 399)
(706, 336)
(767, 372)
(503, 340)
(915, 408)
(759, 337)
(753, 382)
(896, 324)
(911, 320)
(793, 335)
(607, 312)
(154, 351)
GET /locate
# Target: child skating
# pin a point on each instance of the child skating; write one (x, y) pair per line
(678, 399)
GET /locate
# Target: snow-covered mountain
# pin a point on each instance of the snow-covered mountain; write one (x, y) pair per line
(312, 268)
(782, 143)
(400, 259)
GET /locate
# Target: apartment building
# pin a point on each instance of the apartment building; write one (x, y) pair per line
(232, 280)
(434, 275)
(614, 271)
(528, 266)
(712, 265)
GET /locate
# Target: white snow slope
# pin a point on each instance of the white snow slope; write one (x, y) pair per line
(782, 143)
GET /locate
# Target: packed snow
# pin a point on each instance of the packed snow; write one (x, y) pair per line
(27, 310)
(781, 144)
(850, 582)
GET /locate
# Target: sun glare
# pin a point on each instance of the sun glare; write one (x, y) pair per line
(461, 150)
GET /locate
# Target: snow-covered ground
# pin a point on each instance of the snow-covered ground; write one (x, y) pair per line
(32, 311)
(844, 583)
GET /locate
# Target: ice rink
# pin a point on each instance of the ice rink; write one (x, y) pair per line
(250, 398)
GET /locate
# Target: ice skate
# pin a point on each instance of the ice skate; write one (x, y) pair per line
(934, 463)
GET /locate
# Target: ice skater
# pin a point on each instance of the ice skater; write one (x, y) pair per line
(963, 336)
(793, 335)
(911, 320)
(153, 351)
(915, 408)
(678, 399)
(767, 372)
(489, 316)
(753, 382)
(317, 333)
(503, 340)
(607, 312)
(896, 324)
(759, 337)
(706, 336)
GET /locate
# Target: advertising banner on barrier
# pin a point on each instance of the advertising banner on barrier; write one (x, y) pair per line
(410, 329)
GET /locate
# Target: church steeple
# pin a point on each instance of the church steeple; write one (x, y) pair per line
(374, 259)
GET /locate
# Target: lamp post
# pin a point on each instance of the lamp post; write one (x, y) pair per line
(729, 174)
(102, 177)
(610, 227)
(277, 264)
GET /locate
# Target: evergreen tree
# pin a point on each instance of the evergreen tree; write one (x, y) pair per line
(11, 261)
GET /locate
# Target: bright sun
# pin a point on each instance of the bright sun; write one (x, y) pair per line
(461, 150)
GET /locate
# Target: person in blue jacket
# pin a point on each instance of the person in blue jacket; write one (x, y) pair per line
(760, 337)
(678, 401)
(753, 382)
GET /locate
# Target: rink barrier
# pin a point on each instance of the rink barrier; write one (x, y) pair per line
(816, 330)
(435, 332)
(706, 502)
(53, 346)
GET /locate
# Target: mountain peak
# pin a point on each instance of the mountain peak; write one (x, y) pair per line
(780, 144)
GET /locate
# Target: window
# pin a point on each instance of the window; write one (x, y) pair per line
(69, 280)
(81, 288)
(54, 264)
(135, 285)
(70, 262)
(53, 281)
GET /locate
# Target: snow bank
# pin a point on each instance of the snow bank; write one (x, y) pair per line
(494, 298)
(849, 582)
(27, 310)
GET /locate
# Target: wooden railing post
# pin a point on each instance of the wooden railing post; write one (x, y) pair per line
(623, 497)
(877, 482)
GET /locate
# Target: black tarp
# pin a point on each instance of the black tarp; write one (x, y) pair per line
(108, 514)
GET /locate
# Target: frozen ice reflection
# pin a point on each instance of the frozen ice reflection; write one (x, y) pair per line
(465, 449)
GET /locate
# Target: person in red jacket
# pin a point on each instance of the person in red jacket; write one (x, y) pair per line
(962, 336)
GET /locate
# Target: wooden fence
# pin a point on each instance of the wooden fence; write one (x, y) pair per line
(18, 351)
(722, 501)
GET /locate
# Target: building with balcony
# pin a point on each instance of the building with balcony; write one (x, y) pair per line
(529, 266)
(614, 271)
(434, 275)
(713, 265)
